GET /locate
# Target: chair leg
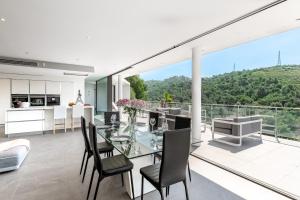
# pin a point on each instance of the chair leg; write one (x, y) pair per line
(189, 170)
(65, 125)
(82, 161)
(154, 159)
(91, 181)
(122, 178)
(54, 127)
(142, 189)
(161, 194)
(87, 161)
(186, 190)
(72, 124)
(97, 187)
(132, 188)
(168, 190)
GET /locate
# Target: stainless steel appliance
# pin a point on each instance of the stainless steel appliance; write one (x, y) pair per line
(53, 100)
(17, 99)
(37, 100)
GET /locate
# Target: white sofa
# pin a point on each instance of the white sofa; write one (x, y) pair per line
(13, 153)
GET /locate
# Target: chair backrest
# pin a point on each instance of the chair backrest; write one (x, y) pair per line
(171, 121)
(60, 112)
(182, 122)
(176, 148)
(107, 116)
(85, 136)
(154, 115)
(93, 141)
(77, 111)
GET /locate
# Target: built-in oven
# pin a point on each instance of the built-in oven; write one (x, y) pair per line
(37, 100)
(17, 99)
(53, 100)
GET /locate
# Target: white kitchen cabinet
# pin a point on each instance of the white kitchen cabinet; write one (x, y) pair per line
(5, 98)
(67, 93)
(23, 127)
(25, 115)
(19, 86)
(37, 87)
(24, 120)
(53, 87)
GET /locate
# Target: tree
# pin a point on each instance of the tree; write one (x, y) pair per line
(138, 87)
(168, 97)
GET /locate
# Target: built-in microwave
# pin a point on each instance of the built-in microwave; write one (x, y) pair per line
(37, 100)
(15, 98)
(53, 100)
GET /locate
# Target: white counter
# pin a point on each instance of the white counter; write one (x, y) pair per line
(40, 108)
(38, 119)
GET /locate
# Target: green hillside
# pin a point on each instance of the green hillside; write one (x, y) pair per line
(272, 86)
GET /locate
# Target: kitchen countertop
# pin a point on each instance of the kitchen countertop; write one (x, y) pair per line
(39, 108)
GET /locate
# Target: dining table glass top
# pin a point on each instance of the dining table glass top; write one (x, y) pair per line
(132, 141)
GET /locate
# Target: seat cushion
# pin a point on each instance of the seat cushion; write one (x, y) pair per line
(104, 147)
(151, 173)
(223, 130)
(115, 165)
(12, 158)
(222, 125)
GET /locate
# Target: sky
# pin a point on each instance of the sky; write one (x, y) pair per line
(255, 54)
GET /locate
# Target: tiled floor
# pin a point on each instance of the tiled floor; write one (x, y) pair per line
(275, 163)
(51, 172)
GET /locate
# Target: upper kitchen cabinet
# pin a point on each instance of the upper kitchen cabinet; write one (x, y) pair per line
(52, 87)
(19, 86)
(37, 87)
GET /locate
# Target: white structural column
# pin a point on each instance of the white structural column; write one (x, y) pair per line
(120, 87)
(196, 93)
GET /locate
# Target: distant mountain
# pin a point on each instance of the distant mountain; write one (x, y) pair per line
(272, 86)
(178, 86)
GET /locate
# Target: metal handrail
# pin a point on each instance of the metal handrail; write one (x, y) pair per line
(237, 111)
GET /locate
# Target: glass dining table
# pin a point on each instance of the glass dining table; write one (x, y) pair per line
(132, 141)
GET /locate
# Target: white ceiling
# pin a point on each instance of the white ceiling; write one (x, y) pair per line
(111, 35)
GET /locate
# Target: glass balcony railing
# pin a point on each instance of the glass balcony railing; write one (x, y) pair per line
(277, 121)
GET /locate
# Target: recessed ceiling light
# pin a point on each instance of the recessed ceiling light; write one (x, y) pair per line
(2, 19)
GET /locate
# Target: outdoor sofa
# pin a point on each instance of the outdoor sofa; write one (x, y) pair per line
(236, 128)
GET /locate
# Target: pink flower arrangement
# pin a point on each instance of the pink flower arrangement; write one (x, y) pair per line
(134, 103)
(131, 107)
(123, 102)
(138, 104)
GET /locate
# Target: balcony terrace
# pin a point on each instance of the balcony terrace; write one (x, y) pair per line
(273, 161)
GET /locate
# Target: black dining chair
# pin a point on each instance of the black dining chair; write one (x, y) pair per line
(102, 147)
(170, 121)
(107, 117)
(172, 169)
(108, 166)
(180, 123)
